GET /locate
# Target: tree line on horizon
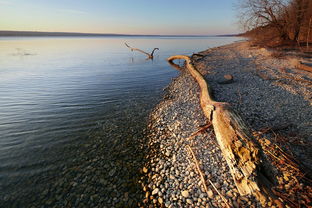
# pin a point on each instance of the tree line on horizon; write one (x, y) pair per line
(278, 21)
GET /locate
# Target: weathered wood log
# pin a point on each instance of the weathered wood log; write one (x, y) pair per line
(238, 146)
(304, 66)
(149, 55)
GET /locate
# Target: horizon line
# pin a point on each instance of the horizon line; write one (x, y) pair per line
(6, 33)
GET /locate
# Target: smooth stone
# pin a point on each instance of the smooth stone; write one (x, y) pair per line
(228, 78)
(185, 194)
(167, 153)
(112, 172)
(229, 194)
(155, 191)
(210, 193)
(172, 177)
(174, 158)
(145, 170)
(160, 200)
(189, 201)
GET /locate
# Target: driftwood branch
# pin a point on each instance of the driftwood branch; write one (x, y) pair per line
(200, 131)
(238, 146)
(149, 55)
(304, 66)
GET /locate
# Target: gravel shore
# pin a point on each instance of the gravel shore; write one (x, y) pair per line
(271, 95)
(268, 92)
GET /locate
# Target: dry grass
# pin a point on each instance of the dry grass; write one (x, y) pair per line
(294, 184)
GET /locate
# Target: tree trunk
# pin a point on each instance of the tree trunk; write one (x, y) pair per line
(309, 28)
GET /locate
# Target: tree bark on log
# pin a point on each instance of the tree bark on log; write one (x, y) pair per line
(239, 148)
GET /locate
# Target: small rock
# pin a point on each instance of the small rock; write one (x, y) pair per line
(267, 142)
(202, 196)
(229, 194)
(171, 177)
(126, 196)
(189, 201)
(160, 200)
(185, 194)
(174, 158)
(228, 76)
(103, 181)
(210, 193)
(145, 170)
(167, 153)
(228, 79)
(112, 172)
(155, 191)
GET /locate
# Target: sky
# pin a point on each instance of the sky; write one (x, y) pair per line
(159, 17)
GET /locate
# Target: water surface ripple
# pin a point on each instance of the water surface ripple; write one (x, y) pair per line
(72, 115)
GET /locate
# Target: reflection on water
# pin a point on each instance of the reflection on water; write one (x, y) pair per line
(72, 114)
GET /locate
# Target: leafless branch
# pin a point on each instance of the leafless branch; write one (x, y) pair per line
(149, 55)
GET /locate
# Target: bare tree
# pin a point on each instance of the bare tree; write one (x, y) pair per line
(264, 13)
(297, 12)
(308, 33)
(285, 19)
(307, 23)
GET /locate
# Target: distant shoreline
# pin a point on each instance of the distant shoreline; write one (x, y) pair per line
(7, 33)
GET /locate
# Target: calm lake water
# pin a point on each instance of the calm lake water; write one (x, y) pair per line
(72, 105)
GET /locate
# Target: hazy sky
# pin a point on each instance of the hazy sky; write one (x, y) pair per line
(197, 17)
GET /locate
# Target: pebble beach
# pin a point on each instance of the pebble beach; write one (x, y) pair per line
(176, 161)
(266, 91)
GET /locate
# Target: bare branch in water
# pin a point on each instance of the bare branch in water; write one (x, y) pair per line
(149, 55)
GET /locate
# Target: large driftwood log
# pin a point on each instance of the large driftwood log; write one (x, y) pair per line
(235, 139)
(149, 55)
